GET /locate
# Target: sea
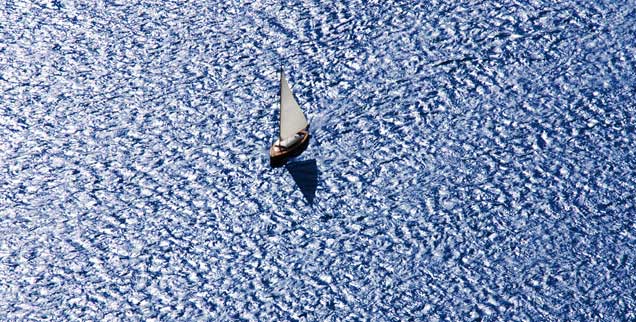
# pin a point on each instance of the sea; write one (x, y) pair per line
(468, 161)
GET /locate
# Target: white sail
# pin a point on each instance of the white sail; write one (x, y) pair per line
(292, 118)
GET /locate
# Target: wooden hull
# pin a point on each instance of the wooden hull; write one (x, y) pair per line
(278, 156)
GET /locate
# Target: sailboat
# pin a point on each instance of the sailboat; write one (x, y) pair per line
(293, 137)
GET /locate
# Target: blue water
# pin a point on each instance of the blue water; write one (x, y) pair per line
(469, 160)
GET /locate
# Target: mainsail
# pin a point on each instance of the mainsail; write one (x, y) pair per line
(292, 118)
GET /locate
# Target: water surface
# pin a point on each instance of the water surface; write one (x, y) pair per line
(468, 161)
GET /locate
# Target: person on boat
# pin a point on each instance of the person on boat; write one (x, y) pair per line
(289, 142)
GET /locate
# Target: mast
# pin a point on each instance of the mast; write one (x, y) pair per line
(280, 105)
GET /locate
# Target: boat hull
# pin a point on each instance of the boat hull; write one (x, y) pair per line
(278, 155)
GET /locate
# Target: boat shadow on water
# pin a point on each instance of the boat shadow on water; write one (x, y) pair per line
(305, 173)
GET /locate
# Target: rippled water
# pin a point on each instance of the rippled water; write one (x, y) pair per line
(469, 160)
